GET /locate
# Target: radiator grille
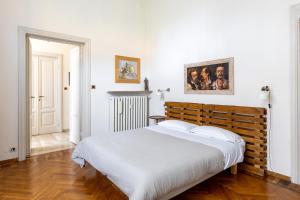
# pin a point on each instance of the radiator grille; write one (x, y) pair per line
(128, 113)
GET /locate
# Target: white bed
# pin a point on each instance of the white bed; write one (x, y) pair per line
(157, 162)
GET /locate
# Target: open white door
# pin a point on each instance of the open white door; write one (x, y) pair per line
(75, 95)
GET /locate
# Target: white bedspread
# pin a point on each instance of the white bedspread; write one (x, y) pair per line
(233, 152)
(150, 163)
(146, 164)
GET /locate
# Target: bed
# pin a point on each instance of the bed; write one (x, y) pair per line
(160, 162)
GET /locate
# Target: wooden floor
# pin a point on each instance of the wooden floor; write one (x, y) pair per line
(55, 176)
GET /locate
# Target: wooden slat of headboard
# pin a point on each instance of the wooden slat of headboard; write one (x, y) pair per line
(190, 112)
(249, 122)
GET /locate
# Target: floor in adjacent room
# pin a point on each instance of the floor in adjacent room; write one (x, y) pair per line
(46, 143)
(56, 176)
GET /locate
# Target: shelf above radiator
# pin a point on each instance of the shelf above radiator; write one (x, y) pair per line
(129, 93)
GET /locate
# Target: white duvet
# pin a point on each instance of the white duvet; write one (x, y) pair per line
(233, 152)
(153, 162)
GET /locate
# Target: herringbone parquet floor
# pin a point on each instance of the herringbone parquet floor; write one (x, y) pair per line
(55, 176)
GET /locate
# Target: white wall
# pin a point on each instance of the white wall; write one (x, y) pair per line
(63, 50)
(255, 32)
(114, 27)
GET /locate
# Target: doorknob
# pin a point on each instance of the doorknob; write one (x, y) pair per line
(40, 97)
(32, 97)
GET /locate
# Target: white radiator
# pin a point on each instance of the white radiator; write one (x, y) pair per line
(128, 112)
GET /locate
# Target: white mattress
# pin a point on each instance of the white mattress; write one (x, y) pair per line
(233, 152)
(155, 162)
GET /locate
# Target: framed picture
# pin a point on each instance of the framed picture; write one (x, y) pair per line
(127, 69)
(211, 77)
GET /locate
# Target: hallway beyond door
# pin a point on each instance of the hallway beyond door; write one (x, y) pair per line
(50, 142)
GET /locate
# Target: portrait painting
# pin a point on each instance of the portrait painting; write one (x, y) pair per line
(211, 77)
(127, 69)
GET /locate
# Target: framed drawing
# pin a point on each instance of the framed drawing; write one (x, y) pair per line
(211, 77)
(127, 69)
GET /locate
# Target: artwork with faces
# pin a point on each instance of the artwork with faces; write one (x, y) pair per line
(211, 77)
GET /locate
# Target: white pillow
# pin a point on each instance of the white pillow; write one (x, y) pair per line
(217, 133)
(177, 124)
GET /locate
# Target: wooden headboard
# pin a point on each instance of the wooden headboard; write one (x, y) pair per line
(248, 122)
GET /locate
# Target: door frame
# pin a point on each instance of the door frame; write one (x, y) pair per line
(295, 92)
(59, 57)
(23, 83)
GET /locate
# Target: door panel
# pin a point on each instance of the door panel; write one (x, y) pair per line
(48, 119)
(46, 84)
(49, 89)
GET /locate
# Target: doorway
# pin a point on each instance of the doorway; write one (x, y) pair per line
(79, 101)
(50, 69)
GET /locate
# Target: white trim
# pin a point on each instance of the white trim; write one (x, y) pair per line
(46, 54)
(23, 90)
(295, 92)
